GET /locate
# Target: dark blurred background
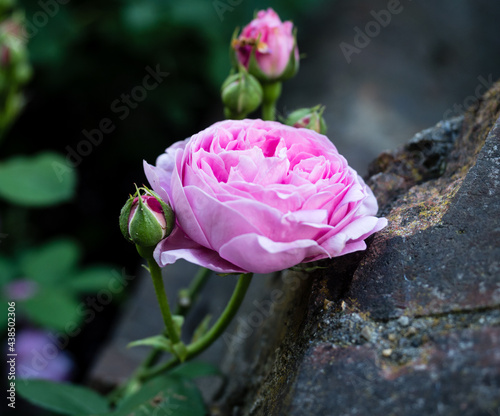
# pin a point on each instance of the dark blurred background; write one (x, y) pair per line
(411, 66)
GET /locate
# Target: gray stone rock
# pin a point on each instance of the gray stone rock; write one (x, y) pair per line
(412, 325)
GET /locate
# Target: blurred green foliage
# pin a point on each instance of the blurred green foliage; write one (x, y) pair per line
(171, 393)
(47, 282)
(32, 181)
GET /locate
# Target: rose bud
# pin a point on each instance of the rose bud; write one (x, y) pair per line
(241, 94)
(267, 48)
(13, 52)
(309, 118)
(146, 220)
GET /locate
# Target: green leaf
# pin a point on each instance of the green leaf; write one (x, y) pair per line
(7, 270)
(63, 398)
(195, 369)
(171, 395)
(37, 181)
(157, 341)
(91, 279)
(52, 308)
(51, 262)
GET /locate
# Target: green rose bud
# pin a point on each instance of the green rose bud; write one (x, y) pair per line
(241, 94)
(309, 118)
(146, 219)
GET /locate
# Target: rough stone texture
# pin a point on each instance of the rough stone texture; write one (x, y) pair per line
(412, 325)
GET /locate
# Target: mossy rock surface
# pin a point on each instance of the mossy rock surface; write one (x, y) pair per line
(411, 326)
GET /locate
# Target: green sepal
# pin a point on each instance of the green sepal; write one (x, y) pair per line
(241, 94)
(157, 341)
(232, 51)
(308, 267)
(124, 215)
(143, 227)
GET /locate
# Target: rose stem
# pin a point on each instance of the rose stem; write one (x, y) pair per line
(217, 329)
(154, 269)
(192, 292)
(272, 92)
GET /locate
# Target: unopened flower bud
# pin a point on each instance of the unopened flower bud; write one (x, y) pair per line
(15, 69)
(267, 47)
(241, 94)
(309, 118)
(146, 219)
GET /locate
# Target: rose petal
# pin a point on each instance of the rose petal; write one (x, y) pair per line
(272, 256)
(159, 180)
(179, 246)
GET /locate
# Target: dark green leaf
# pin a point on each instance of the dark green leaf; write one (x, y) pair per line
(91, 279)
(37, 181)
(7, 270)
(51, 262)
(195, 369)
(52, 308)
(63, 398)
(173, 395)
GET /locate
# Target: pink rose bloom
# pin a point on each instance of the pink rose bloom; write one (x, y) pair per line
(273, 43)
(259, 196)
